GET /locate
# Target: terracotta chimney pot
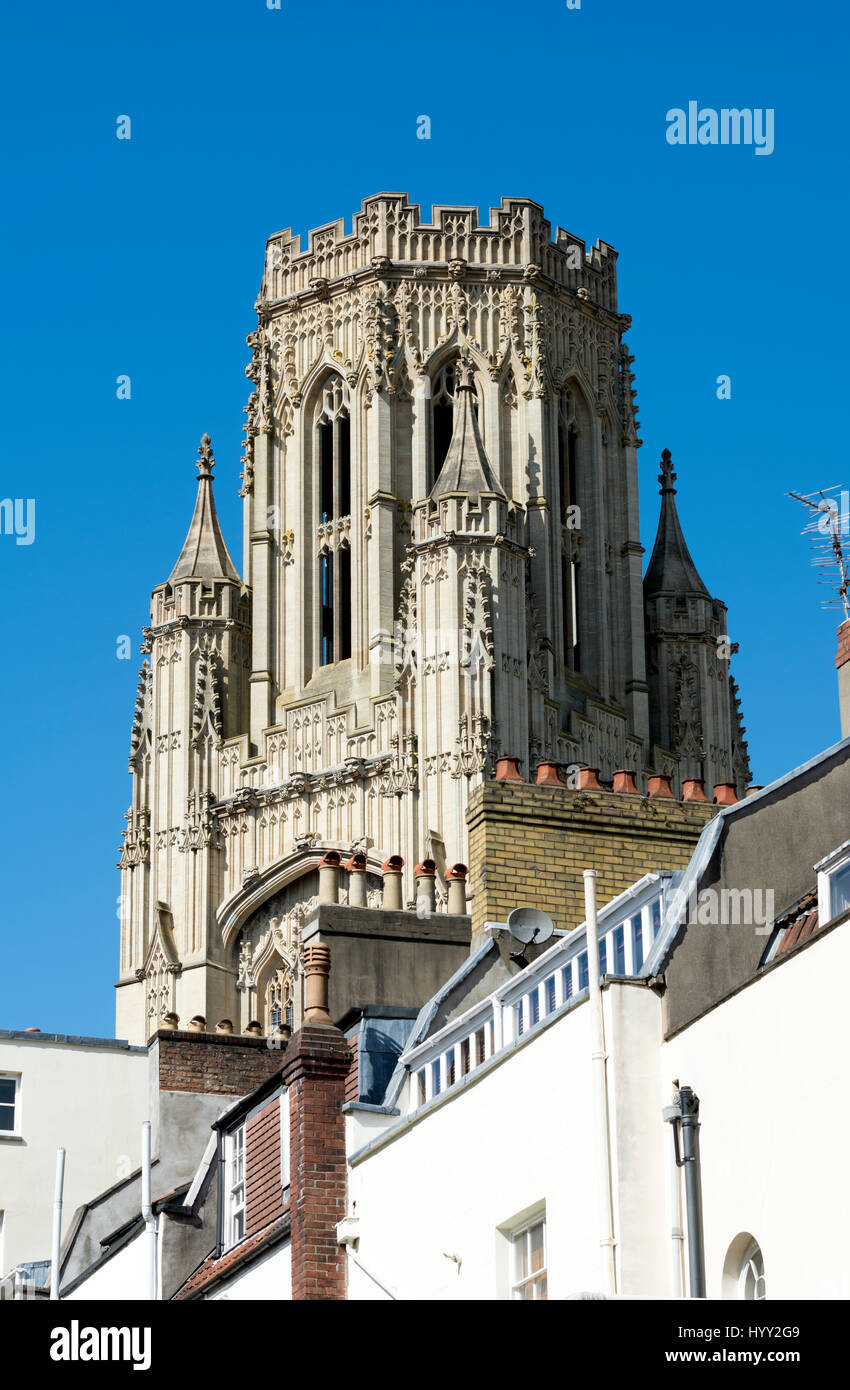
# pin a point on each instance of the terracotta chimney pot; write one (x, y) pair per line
(725, 794)
(456, 879)
(329, 877)
(224, 1025)
(356, 869)
(548, 775)
(254, 1030)
(693, 789)
(317, 968)
(659, 786)
(391, 869)
(507, 770)
(169, 1022)
(198, 1024)
(588, 780)
(624, 781)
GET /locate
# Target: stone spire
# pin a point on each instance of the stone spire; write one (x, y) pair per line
(671, 569)
(204, 554)
(466, 468)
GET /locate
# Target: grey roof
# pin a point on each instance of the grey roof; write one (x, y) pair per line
(466, 468)
(204, 554)
(671, 569)
(73, 1039)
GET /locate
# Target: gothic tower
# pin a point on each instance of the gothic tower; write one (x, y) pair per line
(443, 558)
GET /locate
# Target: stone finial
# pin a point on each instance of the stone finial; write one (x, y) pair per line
(317, 968)
(206, 460)
(667, 477)
(464, 374)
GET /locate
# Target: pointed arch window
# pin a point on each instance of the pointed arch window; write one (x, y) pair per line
(278, 1001)
(333, 486)
(443, 415)
(568, 498)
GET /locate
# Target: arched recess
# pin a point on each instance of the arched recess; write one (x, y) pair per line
(441, 372)
(743, 1270)
(327, 485)
(510, 465)
(572, 488)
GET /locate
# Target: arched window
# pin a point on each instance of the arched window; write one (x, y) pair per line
(743, 1269)
(278, 1001)
(333, 454)
(443, 415)
(567, 469)
(751, 1274)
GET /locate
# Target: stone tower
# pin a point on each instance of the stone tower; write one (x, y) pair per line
(442, 565)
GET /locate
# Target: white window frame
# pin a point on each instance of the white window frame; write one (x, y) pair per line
(520, 1233)
(15, 1132)
(285, 1160)
(235, 1186)
(838, 859)
(749, 1255)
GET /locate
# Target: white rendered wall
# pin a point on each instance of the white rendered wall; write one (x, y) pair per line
(123, 1278)
(520, 1137)
(266, 1279)
(89, 1099)
(770, 1069)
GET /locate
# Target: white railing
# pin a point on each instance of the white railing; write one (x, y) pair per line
(627, 928)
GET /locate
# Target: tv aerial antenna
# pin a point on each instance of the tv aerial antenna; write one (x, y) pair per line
(825, 527)
(529, 926)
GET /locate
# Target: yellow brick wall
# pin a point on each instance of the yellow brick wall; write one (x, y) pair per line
(528, 846)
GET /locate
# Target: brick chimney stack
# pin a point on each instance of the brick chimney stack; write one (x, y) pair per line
(842, 662)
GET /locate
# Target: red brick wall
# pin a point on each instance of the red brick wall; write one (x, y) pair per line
(843, 653)
(315, 1067)
(220, 1063)
(352, 1080)
(264, 1195)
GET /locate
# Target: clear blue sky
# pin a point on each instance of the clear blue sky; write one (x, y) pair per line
(144, 257)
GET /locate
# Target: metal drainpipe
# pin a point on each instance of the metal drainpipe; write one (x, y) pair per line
(685, 1115)
(600, 1088)
(56, 1243)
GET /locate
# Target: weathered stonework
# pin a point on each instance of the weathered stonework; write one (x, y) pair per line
(442, 565)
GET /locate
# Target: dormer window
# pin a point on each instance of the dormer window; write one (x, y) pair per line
(834, 884)
(235, 1188)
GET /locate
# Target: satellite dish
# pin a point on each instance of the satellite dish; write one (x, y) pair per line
(530, 924)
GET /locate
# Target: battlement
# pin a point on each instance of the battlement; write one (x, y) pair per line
(388, 232)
